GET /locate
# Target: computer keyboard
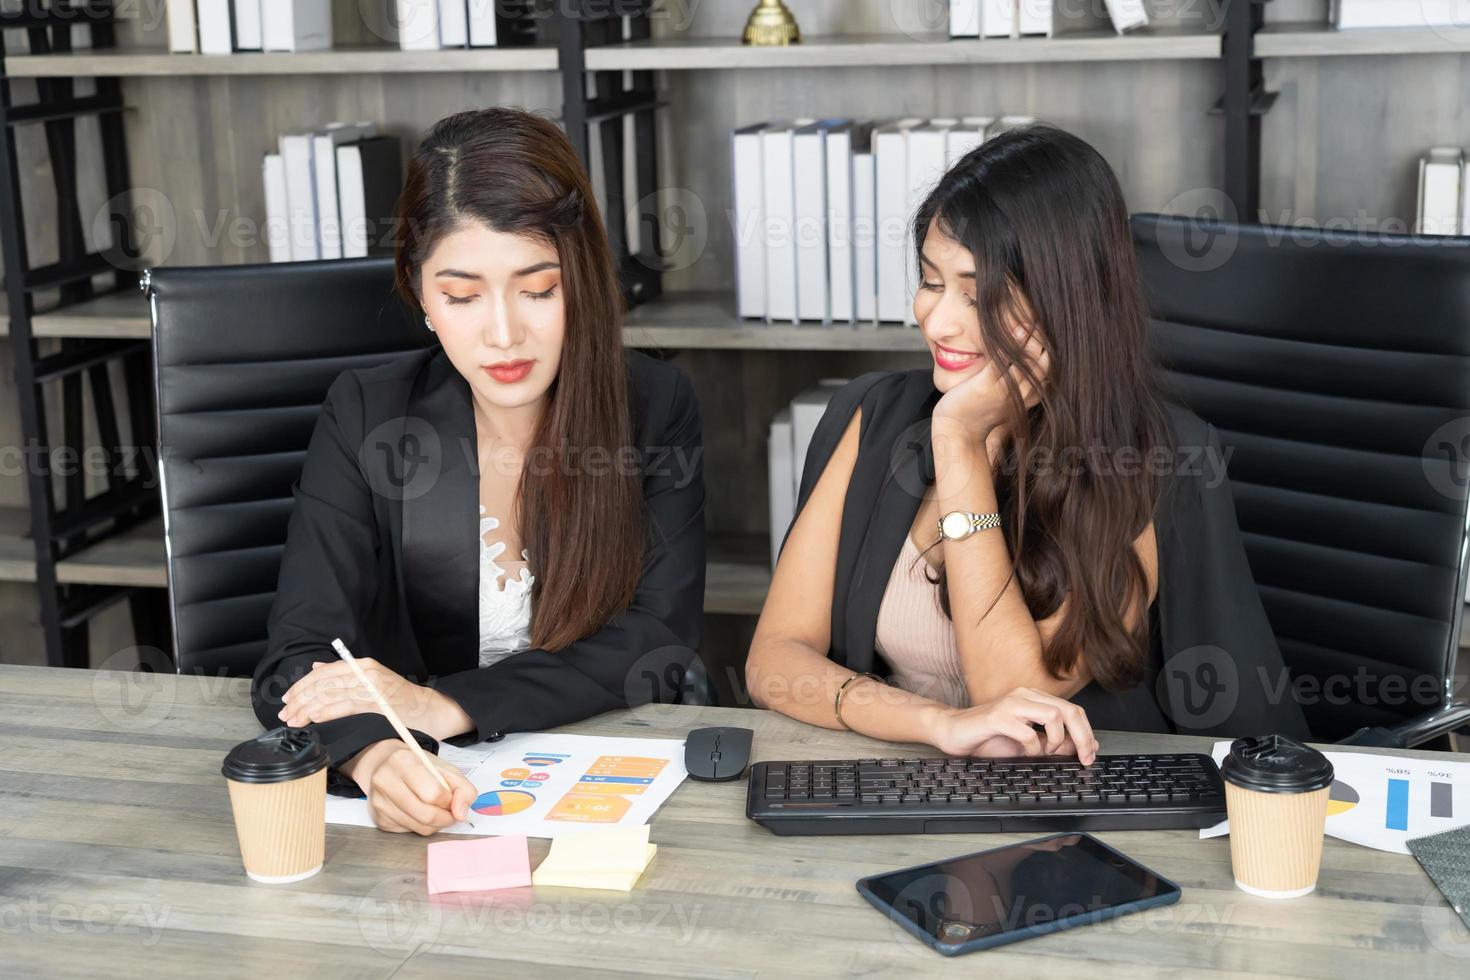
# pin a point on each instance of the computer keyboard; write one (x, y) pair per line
(939, 796)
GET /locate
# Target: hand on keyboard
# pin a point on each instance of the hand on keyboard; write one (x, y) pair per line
(1003, 728)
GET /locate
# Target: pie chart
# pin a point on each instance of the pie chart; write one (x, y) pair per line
(1341, 798)
(502, 803)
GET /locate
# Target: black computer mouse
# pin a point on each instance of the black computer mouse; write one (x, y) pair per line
(717, 754)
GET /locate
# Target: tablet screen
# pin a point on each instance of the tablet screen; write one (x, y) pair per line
(1015, 888)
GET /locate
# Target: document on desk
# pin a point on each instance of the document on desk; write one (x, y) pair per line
(1383, 801)
(551, 785)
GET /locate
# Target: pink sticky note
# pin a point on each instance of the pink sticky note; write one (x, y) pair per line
(482, 864)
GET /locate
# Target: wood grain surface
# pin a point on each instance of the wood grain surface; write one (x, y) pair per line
(118, 857)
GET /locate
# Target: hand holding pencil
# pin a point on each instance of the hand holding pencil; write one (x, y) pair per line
(422, 806)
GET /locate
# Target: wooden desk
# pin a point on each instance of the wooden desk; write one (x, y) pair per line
(118, 856)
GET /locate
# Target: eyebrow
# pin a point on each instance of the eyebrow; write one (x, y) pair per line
(927, 261)
(527, 271)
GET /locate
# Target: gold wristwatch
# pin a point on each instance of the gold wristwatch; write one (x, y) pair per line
(960, 524)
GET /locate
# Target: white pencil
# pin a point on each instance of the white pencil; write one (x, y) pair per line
(393, 719)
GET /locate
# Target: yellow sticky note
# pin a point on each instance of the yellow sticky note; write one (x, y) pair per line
(612, 857)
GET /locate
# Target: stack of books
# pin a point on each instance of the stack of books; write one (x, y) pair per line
(786, 447)
(823, 210)
(432, 24)
(1022, 18)
(227, 26)
(1349, 15)
(1443, 208)
(212, 27)
(330, 193)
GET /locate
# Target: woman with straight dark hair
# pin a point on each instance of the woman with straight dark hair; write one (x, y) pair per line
(1027, 535)
(507, 528)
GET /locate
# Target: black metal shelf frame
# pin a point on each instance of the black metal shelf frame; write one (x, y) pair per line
(64, 523)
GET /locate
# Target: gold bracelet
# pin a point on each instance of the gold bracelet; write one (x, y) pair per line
(837, 701)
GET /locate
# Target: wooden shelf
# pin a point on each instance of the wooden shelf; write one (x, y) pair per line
(707, 320)
(121, 314)
(345, 60)
(738, 575)
(134, 557)
(677, 321)
(886, 50)
(736, 582)
(1316, 40)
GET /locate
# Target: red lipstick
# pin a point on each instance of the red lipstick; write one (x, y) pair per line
(509, 372)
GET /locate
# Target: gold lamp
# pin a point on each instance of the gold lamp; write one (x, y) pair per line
(771, 23)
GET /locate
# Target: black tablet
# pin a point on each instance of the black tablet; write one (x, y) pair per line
(1015, 892)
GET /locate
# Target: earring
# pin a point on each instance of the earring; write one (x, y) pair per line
(427, 323)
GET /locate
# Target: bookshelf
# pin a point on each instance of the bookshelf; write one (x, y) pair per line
(1142, 98)
(343, 60)
(1295, 39)
(677, 321)
(876, 51)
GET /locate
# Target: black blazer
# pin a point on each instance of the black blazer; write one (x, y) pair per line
(383, 550)
(1213, 667)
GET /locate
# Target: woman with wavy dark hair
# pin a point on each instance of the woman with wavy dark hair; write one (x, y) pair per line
(507, 528)
(1022, 537)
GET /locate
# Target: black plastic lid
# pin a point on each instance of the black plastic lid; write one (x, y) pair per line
(1276, 764)
(276, 756)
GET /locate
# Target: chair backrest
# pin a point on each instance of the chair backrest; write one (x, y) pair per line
(1336, 369)
(243, 357)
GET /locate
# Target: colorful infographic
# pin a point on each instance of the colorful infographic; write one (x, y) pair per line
(499, 803)
(546, 785)
(600, 796)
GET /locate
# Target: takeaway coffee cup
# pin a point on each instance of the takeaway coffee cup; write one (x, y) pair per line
(278, 792)
(1276, 792)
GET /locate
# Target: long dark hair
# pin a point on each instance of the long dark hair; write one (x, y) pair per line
(517, 172)
(1043, 216)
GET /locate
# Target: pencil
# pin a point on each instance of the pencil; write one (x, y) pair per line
(393, 719)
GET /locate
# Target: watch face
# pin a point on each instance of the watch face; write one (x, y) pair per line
(955, 525)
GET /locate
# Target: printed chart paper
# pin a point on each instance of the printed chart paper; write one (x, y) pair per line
(550, 785)
(1381, 801)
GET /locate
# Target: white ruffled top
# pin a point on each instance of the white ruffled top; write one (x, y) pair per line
(505, 609)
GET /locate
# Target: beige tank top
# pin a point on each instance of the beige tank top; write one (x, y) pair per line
(914, 635)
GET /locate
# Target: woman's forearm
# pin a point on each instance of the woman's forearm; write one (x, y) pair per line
(790, 677)
(1000, 645)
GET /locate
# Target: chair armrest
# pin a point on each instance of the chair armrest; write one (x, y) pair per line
(1447, 717)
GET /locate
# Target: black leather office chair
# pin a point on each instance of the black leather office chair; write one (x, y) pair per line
(243, 357)
(1336, 368)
